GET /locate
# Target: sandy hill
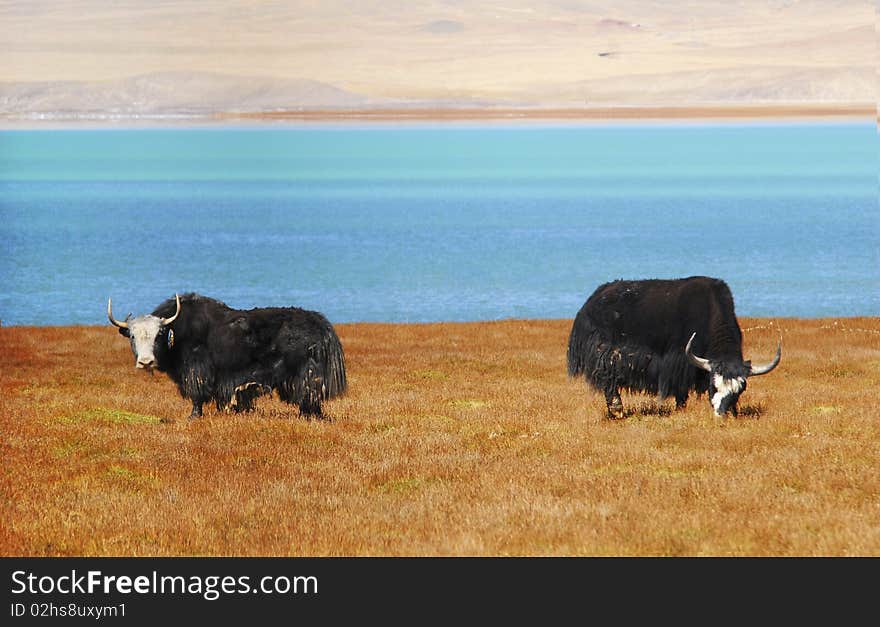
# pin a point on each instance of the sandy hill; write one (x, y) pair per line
(168, 93)
(135, 56)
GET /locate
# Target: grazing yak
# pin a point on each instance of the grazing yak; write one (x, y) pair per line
(230, 356)
(664, 337)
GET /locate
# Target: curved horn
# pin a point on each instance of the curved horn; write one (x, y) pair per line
(114, 321)
(699, 362)
(764, 369)
(167, 321)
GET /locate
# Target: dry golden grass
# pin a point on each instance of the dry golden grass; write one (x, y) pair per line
(454, 439)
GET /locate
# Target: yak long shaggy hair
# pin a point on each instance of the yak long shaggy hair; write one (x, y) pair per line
(631, 335)
(231, 357)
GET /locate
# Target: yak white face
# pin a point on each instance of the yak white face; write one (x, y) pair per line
(725, 393)
(727, 377)
(142, 334)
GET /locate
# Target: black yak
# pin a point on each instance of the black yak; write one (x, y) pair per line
(231, 357)
(645, 336)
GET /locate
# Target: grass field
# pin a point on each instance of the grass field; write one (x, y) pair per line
(454, 439)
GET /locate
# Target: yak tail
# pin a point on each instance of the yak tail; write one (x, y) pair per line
(323, 375)
(580, 347)
(575, 358)
(320, 377)
(330, 359)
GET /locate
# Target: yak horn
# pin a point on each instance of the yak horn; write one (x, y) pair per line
(167, 321)
(754, 371)
(699, 362)
(114, 321)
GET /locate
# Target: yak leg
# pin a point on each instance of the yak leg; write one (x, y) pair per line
(615, 405)
(245, 394)
(681, 401)
(310, 407)
(305, 389)
(312, 391)
(196, 410)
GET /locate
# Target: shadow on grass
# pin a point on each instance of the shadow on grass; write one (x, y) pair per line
(650, 409)
(645, 409)
(642, 410)
(751, 412)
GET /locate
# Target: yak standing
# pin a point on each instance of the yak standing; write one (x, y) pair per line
(231, 357)
(645, 336)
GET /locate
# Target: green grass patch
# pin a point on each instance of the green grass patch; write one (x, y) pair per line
(121, 471)
(825, 409)
(130, 478)
(380, 427)
(403, 485)
(468, 403)
(843, 371)
(116, 416)
(67, 449)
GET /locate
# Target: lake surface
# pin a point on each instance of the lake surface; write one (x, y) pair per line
(446, 222)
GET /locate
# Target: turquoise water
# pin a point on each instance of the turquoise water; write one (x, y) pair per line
(426, 223)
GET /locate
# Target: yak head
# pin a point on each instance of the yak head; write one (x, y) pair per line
(727, 377)
(145, 334)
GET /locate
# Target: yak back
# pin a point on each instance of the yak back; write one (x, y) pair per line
(651, 320)
(270, 339)
(198, 314)
(661, 315)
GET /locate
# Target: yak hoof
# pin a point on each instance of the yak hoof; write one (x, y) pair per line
(615, 406)
(615, 413)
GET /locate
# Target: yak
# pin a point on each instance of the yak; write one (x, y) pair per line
(231, 357)
(666, 337)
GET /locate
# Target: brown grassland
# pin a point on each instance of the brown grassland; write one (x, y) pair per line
(454, 439)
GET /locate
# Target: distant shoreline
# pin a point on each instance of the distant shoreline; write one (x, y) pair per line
(589, 115)
(747, 322)
(696, 112)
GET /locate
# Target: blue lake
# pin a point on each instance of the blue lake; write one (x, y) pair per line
(443, 222)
